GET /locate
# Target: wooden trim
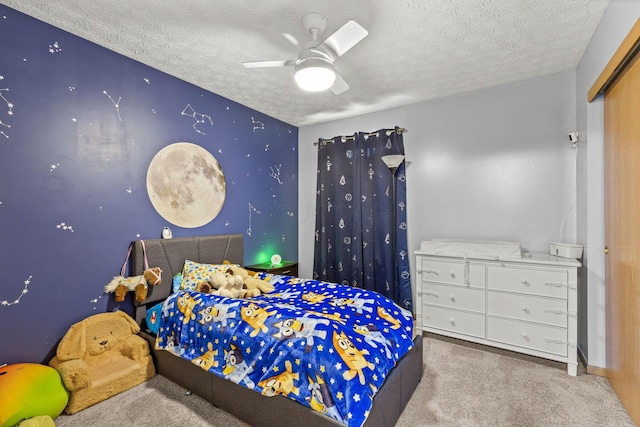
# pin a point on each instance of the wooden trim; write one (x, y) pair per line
(618, 61)
(593, 370)
(597, 370)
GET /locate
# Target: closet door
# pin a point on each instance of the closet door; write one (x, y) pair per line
(622, 234)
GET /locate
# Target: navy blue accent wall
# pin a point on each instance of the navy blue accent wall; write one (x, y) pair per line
(79, 125)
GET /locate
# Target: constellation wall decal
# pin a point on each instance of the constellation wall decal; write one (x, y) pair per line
(55, 48)
(115, 104)
(9, 109)
(25, 290)
(197, 117)
(65, 227)
(275, 173)
(9, 104)
(251, 209)
(257, 124)
(95, 301)
(2, 132)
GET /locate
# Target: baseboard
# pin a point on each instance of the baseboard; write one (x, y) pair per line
(597, 370)
(592, 370)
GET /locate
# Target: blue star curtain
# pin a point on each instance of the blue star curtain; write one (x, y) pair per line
(354, 236)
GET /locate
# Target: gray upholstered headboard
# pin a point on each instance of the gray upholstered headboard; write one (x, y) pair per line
(170, 254)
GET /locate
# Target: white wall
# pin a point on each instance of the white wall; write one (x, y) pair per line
(496, 164)
(493, 164)
(618, 19)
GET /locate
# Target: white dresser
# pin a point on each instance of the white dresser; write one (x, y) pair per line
(527, 305)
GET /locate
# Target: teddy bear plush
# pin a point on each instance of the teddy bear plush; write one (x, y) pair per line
(226, 284)
(205, 287)
(120, 285)
(252, 286)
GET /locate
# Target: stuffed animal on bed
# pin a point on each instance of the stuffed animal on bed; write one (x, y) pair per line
(236, 282)
(120, 285)
(252, 286)
(226, 284)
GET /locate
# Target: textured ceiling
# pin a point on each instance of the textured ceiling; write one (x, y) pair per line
(416, 50)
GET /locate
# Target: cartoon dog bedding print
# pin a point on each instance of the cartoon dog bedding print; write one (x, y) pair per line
(327, 346)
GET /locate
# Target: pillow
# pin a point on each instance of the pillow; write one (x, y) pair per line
(194, 273)
(177, 281)
(153, 318)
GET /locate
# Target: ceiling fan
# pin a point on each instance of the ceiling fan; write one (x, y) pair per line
(314, 70)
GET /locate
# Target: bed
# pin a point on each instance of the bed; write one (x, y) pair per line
(389, 392)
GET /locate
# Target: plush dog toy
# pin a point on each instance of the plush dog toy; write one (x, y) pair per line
(205, 287)
(252, 286)
(227, 284)
(120, 285)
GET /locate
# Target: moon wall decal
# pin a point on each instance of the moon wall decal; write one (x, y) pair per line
(186, 185)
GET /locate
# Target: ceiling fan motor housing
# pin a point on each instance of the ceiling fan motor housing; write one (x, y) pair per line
(314, 22)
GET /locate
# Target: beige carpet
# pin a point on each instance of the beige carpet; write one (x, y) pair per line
(463, 385)
(470, 385)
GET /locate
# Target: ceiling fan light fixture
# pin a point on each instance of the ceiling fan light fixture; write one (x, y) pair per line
(315, 74)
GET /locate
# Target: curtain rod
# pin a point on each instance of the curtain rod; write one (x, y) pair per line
(366, 135)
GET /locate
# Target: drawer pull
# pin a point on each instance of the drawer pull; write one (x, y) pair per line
(556, 284)
(525, 282)
(525, 309)
(569, 313)
(525, 336)
(452, 274)
(452, 298)
(555, 341)
(452, 321)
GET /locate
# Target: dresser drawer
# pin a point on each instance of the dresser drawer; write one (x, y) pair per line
(452, 296)
(454, 321)
(527, 307)
(454, 272)
(529, 335)
(551, 283)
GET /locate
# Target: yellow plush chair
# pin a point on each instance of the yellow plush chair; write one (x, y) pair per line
(100, 357)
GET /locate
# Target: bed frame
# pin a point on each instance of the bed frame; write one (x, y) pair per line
(248, 405)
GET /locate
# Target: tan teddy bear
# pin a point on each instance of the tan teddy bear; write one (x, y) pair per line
(226, 284)
(252, 286)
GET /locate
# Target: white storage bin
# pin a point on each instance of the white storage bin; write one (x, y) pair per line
(565, 250)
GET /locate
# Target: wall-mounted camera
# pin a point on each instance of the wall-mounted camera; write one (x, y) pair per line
(573, 137)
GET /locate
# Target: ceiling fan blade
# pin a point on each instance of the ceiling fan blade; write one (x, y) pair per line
(344, 38)
(339, 85)
(263, 64)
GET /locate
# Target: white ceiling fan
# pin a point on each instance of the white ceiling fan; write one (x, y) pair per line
(314, 70)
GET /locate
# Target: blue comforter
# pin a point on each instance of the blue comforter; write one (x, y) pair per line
(325, 345)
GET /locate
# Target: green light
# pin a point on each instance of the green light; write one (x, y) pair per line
(276, 259)
(265, 254)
